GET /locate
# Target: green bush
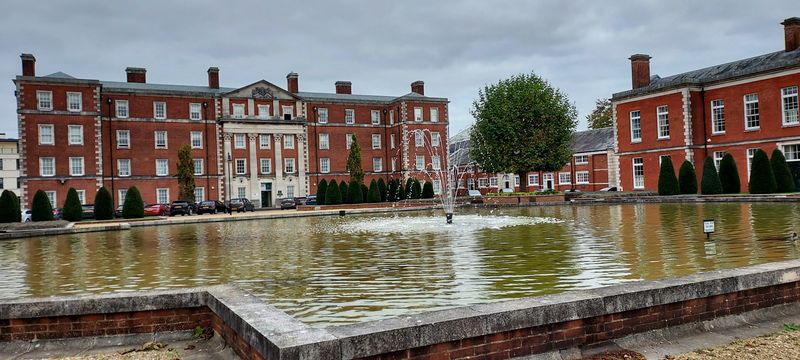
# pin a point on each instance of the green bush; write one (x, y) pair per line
(409, 188)
(344, 192)
(332, 195)
(687, 178)
(382, 189)
(729, 175)
(374, 194)
(401, 191)
(427, 190)
(762, 180)
(18, 207)
(41, 210)
(9, 207)
(667, 182)
(133, 208)
(784, 181)
(103, 205)
(322, 189)
(364, 193)
(72, 210)
(354, 195)
(416, 189)
(710, 183)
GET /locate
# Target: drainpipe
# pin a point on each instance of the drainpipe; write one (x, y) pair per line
(703, 115)
(316, 148)
(386, 142)
(111, 150)
(207, 145)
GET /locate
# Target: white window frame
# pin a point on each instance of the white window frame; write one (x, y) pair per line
(581, 174)
(324, 165)
(289, 166)
(287, 109)
(241, 191)
(717, 116)
(751, 112)
(793, 154)
(52, 134)
(581, 159)
(638, 180)
(199, 194)
(750, 153)
(71, 97)
(493, 182)
(195, 162)
(264, 141)
(239, 141)
(238, 111)
(349, 116)
(562, 180)
(42, 161)
(240, 166)
(81, 196)
(391, 117)
(662, 117)
(122, 109)
(53, 197)
(419, 162)
(265, 165)
(392, 141)
(377, 164)
(288, 141)
(196, 139)
(263, 111)
(126, 167)
(163, 114)
(434, 114)
(166, 139)
(437, 186)
(636, 131)
(394, 163)
(44, 100)
(789, 98)
(418, 114)
(483, 182)
(80, 169)
(324, 141)
(436, 139)
(126, 136)
(436, 163)
(71, 130)
(195, 111)
(322, 115)
(375, 116)
(376, 141)
(165, 199)
(289, 191)
(533, 179)
(165, 169)
(121, 194)
(348, 138)
(419, 138)
(718, 155)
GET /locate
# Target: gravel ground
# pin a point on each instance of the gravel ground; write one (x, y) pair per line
(781, 345)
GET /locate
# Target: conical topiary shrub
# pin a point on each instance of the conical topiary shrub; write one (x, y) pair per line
(17, 207)
(322, 189)
(374, 193)
(382, 189)
(409, 189)
(401, 191)
(103, 205)
(687, 178)
(762, 180)
(344, 192)
(41, 210)
(784, 181)
(416, 189)
(710, 184)
(391, 194)
(729, 175)
(133, 208)
(354, 194)
(9, 207)
(72, 210)
(332, 195)
(364, 192)
(427, 190)
(667, 182)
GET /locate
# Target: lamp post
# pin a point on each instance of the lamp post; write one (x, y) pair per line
(109, 101)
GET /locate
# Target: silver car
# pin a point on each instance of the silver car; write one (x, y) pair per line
(27, 215)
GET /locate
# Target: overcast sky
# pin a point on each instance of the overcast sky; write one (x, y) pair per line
(456, 47)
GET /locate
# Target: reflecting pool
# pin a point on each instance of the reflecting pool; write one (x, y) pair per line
(333, 270)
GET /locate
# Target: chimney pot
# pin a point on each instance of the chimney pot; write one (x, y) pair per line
(136, 75)
(292, 82)
(640, 70)
(791, 31)
(213, 77)
(28, 65)
(344, 87)
(418, 87)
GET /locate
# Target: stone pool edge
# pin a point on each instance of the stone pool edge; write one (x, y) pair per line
(570, 320)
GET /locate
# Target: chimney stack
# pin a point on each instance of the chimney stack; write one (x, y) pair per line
(418, 87)
(213, 77)
(791, 31)
(640, 70)
(136, 75)
(28, 65)
(344, 87)
(291, 83)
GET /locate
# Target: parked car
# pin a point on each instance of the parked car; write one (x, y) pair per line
(300, 201)
(27, 214)
(240, 205)
(211, 207)
(288, 203)
(475, 197)
(118, 212)
(181, 207)
(156, 210)
(88, 211)
(311, 200)
(612, 188)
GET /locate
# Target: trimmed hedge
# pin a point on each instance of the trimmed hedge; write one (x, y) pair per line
(322, 189)
(427, 190)
(409, 189)
(9, 207)
(401, 191)
(710, 184)
(103, 205)
(667, 182)
(344, 192)
(762, 180)
(332, 194)
(687, 178)
(392, 192)
(133, 208)
(729, 175)
(382, 190)
(417, 189)
(364, 193)
(72, 210)
(374, 193)
(354, 195)
(41, 210)
(784, 181)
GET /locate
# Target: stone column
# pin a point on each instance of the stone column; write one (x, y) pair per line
(279, 183)
(227, 169)
(301, 166)
(254, 186)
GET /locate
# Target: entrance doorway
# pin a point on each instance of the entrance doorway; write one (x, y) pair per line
(548, 181)
(266, 195)
(506, 182)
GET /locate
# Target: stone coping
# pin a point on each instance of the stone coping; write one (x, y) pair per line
(277, 335)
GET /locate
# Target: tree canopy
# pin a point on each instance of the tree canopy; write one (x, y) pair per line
(354, 162)
(185, 173)
(601, 115)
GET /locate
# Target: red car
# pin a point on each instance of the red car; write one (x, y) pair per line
(156, 210)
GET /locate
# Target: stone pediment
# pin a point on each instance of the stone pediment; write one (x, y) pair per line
(261, 89)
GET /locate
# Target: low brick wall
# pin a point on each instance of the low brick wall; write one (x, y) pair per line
(257, 330)
(382, 205)
(523, 199)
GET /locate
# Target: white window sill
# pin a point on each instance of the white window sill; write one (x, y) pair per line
(752, 129)
(663, 138)
(636, 141)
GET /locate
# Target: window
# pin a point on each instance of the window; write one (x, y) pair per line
(516, 180)
(718, 117)
(288, 165)
(792, 152)
(435, 139)
(377, 164)
(376, 141)
(44, 100)
(636, 126)
(392, 141)
(323, 141)
(263, 141)
(289, 191)
(581, 159)
(263, 111)
(288, 141)
(420, 162)
(662, 158)
(194, 112)
(238, 111)
(122, 109)
(124, 167)
(197, 139)
(419, 140)
(287, 110)
(162, 196)
(434, 114)
(238, 141)
(162, 167)
(493, 182)
(199, 194)
(376, 117)
(123, 139)
(266, 166)
(349, 116)
(241, 166)
(662, 114)
(718, 155)
(391, 117)
(581, 177)
(76, 166)
(437, 186)
(51, 195)
(638, 173)
(349, 139)
(324, 165)
(751, 116)
(74, 103)
(121, 196)
(241, 191)
(47, 166)
(75, 134)
(789, 105)
(161, 139)
(198, 166)
(1, 164)
(394, 163)
(46, 134)
(322, 115)
(471, 184)
(533, 179)
(418, 114)
(81, 196)
(750, 154)
(482, 182)
(160, 110)
(435, 163)
(564, 178)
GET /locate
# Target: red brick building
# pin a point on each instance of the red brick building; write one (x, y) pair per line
(588, 171)
(260, 141)
(733, 108)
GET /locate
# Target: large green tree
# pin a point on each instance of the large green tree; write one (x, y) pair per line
(354, 162)
(601, 115)
(185, 173)
(522, 124)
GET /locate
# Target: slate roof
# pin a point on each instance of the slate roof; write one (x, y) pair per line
(60, 75)
(771, 62)
(363, 98)
(126, 86)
